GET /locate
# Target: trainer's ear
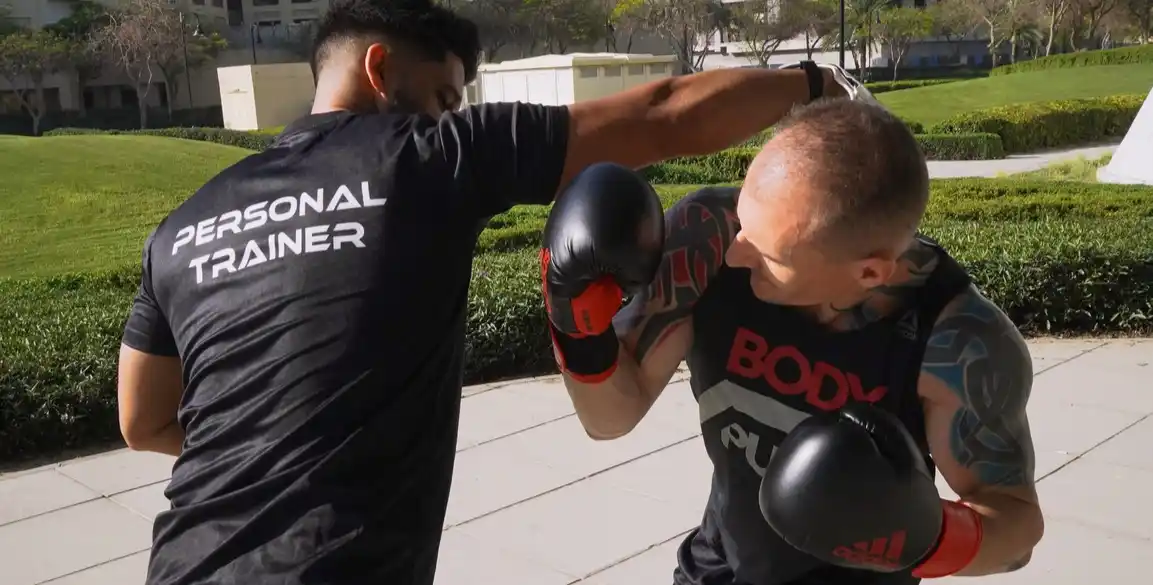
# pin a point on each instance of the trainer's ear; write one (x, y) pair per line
(378, 61)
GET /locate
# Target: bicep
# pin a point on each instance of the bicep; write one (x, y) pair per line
(622, 128)
(976, 378)
(655, 326)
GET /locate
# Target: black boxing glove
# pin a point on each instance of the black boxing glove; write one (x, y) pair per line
(852, 489)
(604, 239)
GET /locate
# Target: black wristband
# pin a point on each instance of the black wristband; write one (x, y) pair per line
(816, 80)
(587, 357)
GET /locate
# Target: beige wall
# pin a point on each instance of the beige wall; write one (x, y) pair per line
(264, 96)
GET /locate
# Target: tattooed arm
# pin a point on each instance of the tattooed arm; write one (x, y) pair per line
(975, 382)
(655, 327)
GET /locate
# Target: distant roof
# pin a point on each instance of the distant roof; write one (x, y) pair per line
(576, 59)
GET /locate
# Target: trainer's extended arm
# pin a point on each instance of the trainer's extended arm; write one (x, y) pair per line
(685, 115)
(655, 327)
(975, 382)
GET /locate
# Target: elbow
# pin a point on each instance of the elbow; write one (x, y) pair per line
(135, 435)
(600, 431)
(1034, 530)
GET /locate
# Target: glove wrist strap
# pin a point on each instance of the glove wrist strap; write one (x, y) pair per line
(961, 534)
(590, 359)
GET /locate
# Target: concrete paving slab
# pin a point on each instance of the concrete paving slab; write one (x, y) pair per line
(1070, 430)
(147, 501)
(581, 529)
(492, 476)
(490, 415)
(477, 561)
(652, 567)
(1050, 353)
(119, 471)
(129, 570)
(40, 492)
(65, 541)
(1115, 377)
(1110, 497)
(680, 475)
(1132, 448)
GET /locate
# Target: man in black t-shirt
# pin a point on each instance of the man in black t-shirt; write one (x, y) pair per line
(297, 339)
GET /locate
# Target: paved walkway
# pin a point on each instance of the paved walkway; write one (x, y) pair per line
(535, 502)
(1017, 163)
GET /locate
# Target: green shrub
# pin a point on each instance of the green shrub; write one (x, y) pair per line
(113, 119)
(238, 138)
(1039, 125)
(59, 336)
(977, 146)
(1122, 56)
(876, 87)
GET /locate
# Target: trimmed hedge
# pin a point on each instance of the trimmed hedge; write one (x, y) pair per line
(112, 119)
(876, 87)
(1040, 125)
(239, 138)
(1122, 56)
(1061, 271)
(967, 146)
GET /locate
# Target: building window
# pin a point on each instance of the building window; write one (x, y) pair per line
(587, 72)
(265, 2)
(127, 97)
(636, 69)
(613, 71)
(918, 3)
(218, 3)
(302, 1)
(658, 68)
(198, 2)
(306, 14)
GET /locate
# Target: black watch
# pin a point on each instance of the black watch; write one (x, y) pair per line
(816, 80)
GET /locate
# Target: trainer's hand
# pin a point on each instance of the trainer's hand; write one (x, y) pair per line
(604, 239)
(853, 489)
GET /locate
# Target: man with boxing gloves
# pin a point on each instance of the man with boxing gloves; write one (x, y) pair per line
(836, 355)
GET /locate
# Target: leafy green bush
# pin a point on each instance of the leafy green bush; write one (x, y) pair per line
(977, 146)
(1039, 125)
(238, 138)
(112, 119)
(876, 87)
(1122, 56)
(1059, 274)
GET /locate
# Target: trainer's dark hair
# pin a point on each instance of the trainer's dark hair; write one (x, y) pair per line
(867, 163)
(432, 31)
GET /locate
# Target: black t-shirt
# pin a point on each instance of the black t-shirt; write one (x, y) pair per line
(316, 295)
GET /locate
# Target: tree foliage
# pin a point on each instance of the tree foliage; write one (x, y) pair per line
(27, 57)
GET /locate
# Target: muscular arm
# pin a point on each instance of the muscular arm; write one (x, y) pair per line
(655, 328)
(975, 383)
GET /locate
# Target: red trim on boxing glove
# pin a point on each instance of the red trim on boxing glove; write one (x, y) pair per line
(961, 534)
(588, 351)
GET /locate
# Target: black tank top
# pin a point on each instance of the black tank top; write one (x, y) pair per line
(757, 370)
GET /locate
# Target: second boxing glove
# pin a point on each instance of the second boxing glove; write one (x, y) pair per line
(852, 488)
(603, 240)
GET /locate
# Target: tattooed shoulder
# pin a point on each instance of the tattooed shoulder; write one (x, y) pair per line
(977, 352)
(698, 232)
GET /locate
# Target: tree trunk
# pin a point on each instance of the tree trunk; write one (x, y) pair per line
(170, 94)
(142, 105)
(1013, 48)
(1052, 31)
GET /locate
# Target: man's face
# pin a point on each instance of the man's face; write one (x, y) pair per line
(404, 81)
(788, 264)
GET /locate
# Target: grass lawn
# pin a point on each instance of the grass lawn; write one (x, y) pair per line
(87, 202)
(932, 104)
(1079, 169)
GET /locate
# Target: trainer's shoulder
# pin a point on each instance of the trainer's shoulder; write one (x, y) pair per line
(714, 197)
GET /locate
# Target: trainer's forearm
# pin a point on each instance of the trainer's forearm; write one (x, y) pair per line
(1011, 527)
(613, 407)
(710, 111)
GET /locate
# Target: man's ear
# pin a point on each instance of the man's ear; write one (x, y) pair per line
(376, 66)
(875, 271)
